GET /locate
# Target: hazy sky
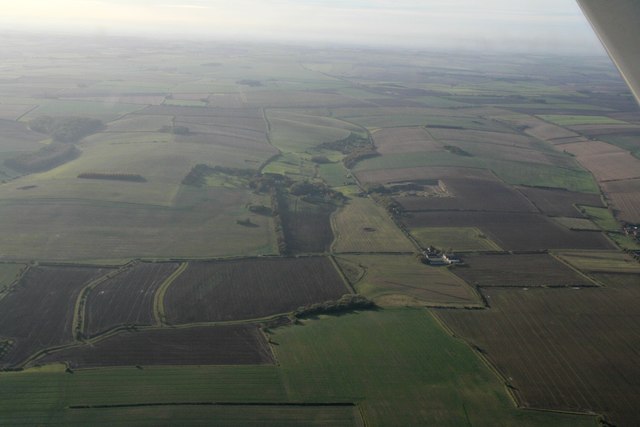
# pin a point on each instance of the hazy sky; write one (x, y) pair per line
(539, 25)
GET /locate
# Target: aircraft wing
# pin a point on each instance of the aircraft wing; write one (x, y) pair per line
(617, 24)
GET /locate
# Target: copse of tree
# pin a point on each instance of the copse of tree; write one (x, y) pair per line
(355, 156)
(48, 157)
(346, 303)
(66, 129)
(348, 144)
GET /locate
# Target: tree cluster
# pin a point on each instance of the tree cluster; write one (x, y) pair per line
(346, 303)
(66, 129)
(48, 157)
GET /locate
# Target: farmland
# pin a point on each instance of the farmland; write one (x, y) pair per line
(8, 274)
(126, 299)
(235, 290)
(560, 203)
(523, 270)
(222, 345)
(625, 199)
(49, 290)
(240, 241)
(459, 239)
(519, 232)
(363, 226)
(402, 280)
(580, 366)
(306, 224)
(474, 194)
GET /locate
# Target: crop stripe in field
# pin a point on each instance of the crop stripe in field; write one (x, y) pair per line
(158, 299)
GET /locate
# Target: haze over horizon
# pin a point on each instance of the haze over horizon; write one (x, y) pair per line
(494, 25)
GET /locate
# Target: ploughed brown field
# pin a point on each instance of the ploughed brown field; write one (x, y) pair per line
(126, 299)
(605, 161)
(625, 198)
(520, 270)
(555, 202)
(514, 231)
(307, 226)
(249, 289)
(562, 349)
(38, 313)
(471, 194)
(218, 345)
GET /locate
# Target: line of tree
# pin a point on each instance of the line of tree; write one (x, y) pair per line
(132, 177)
(346, 303)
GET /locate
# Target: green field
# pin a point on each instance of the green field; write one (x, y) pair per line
(625, 242)
(403, 368)
(292, 132)
(74, 229)
(363, 226)
(460, 239)
(627, 142)
(602, 217)
(402, 280)
(512, 172)
(570, 120)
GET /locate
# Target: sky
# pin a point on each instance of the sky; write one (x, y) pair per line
(492, 25)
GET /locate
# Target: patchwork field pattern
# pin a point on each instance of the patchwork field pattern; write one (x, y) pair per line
(517, 232)
(42, 290)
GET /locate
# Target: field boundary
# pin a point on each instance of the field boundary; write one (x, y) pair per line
(158, 299)
(79, 310)
(347, 283)
(12, 285)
